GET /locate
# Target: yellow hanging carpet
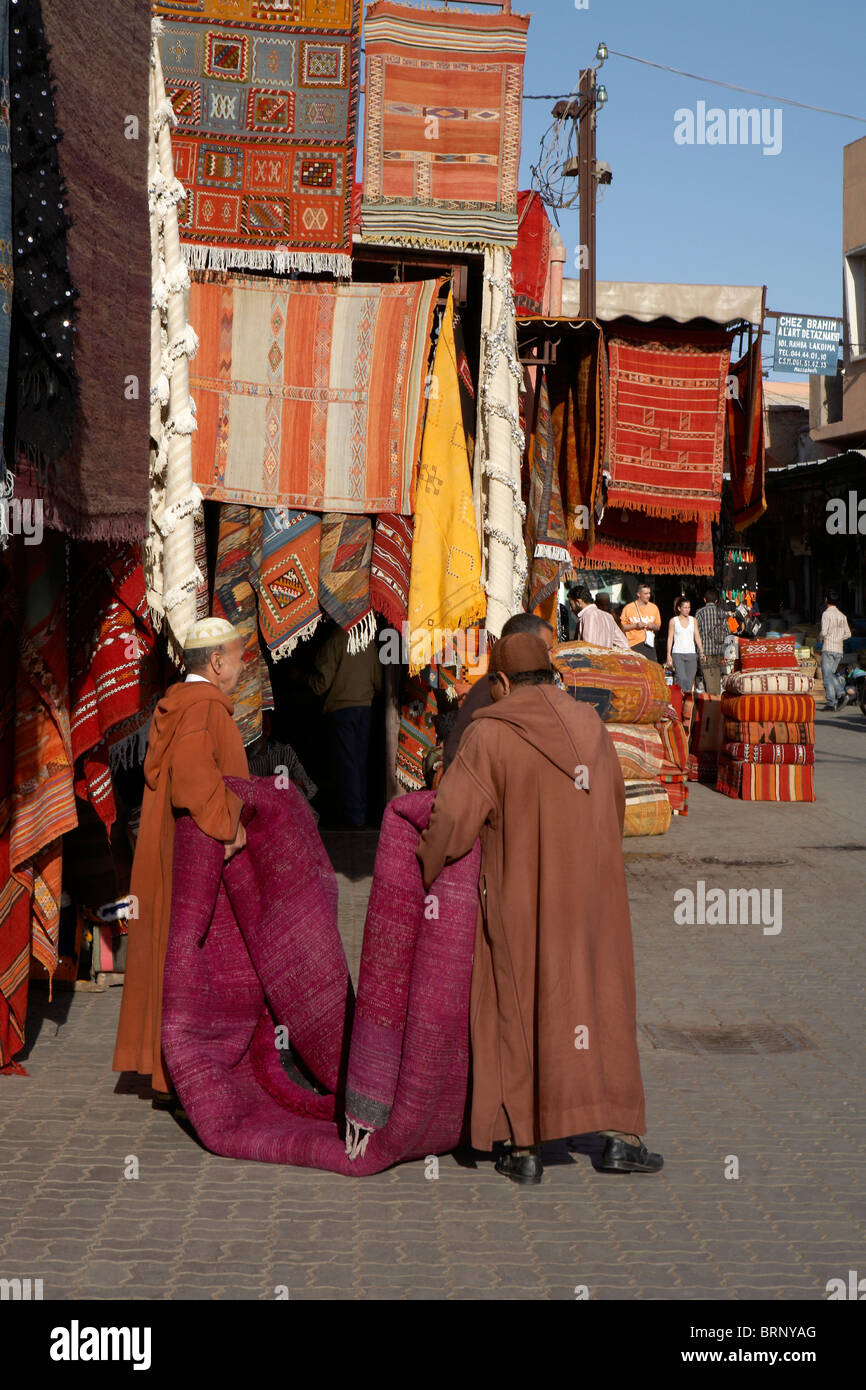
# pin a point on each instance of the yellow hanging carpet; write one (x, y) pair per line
(445, 588)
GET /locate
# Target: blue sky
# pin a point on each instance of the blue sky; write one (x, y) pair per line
(711, 213)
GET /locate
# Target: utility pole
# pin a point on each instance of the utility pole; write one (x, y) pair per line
(586, 191)
(582, 110)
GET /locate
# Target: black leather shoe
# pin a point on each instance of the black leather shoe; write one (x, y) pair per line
(620, 1157)
(522, 1168)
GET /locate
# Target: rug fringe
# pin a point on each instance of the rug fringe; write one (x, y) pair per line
(279, 262)
(287, 647)
(361, 633)
(553, 552)
(357, 1139)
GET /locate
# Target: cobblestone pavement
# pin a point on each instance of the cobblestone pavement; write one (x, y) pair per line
(196, 1226)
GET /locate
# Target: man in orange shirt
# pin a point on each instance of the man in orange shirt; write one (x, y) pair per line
(641, 621)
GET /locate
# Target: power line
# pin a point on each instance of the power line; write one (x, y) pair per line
(732, 86)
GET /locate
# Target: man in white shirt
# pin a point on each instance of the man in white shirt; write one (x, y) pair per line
(834, 633)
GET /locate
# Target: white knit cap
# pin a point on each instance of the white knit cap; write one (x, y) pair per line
(209, 632)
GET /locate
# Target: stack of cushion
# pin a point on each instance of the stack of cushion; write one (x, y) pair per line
(632, 697)
(768, 710)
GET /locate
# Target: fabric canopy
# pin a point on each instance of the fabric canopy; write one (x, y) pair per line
(616, 299)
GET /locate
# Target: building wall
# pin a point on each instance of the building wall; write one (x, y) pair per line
(830, 422)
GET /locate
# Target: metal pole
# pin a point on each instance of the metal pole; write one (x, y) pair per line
(587, 191)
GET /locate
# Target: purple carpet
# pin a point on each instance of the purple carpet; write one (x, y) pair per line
(254, 949)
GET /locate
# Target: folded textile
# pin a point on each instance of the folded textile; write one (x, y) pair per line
(255, 961)
(288, 580)
(388, 988)
(633, 541)
(745, 438)
(14, 957)
(445, 588)
(770, 708)
(530, 262)
(675, 741)
(765, 782)
(736, 731)
(344, 576)
(390, 567)
(442, 120)
(637, 689)
(676, 787)
(777, 682)
(309, 394)
(668, 421)
(639, 748)
(266, 98)
(768, 654)
(547, 553)
(647, 809)
(236, 582)
(100, 62)
(769, 752)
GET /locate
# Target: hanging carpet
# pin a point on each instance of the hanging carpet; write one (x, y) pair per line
(254, 945)
(288, 588)
(641, 544)
(236, 582)
(266, 98)
(42, 382)
(100, 63)
(115, 676)
(418, 734)
(445, 589)
(667, 411)
(6, 272)
(745, 439)
(390, 567)
(442, 123)
(344, 576)
(547, 552)
(576, 383)
(530, 261)
(309, 396)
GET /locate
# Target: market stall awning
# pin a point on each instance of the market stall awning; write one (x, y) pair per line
(634, 299)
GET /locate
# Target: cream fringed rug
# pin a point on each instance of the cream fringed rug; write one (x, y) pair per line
(499, 446)
(171, 572)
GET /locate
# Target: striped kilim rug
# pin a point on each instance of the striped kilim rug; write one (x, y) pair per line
(309, 394)
(265, 93)
(667, 411)
(442, 122)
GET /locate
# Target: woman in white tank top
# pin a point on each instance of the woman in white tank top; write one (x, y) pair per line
(684, 644)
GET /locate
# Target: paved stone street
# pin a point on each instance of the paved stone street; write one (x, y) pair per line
(195, 1226)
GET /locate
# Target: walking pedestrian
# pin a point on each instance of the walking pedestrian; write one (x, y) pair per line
(641, 620)
(479, 696)
(194, 743)
(713, 629)
(552, 1013)
(684, 644)
(834, 633)
(349, 682)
